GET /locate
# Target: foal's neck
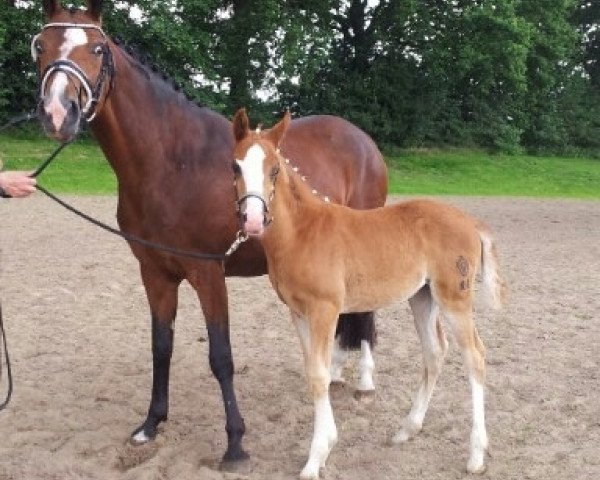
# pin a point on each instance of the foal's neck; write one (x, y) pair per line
(294, 208)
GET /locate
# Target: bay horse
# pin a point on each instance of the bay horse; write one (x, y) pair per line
(325, 259)
(172, 162)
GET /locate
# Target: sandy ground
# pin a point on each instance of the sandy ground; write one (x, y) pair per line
(78, 331)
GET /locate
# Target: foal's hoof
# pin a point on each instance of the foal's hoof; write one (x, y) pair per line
(409, 430)
(365, 396)
(476, 469)
(309, 473)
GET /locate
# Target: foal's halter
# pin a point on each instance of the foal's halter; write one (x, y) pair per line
(93, 92)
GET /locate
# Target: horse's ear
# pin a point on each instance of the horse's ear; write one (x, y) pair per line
(241, 124)
(50, 7)
(277, 132)
(94, 8)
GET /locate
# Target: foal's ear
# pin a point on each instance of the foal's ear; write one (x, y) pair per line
(241, 124)
(277, 132)
(94, 8)
(50, 7)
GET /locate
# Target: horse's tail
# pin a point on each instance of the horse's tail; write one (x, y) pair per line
(493, 283)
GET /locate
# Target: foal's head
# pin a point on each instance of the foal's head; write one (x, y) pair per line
(75, 67)
(256, 165)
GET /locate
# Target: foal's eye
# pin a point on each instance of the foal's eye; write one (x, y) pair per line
(38, 48)
(98, 49)
(237, 171)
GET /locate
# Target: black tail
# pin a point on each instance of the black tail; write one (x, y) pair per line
(354, 327)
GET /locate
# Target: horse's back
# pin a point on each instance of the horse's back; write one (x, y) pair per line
(339, 160)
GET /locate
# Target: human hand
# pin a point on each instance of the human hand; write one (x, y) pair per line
(17, 184)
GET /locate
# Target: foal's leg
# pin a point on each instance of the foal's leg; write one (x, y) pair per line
(434, 345)
(316, 336)
(212, 292)
(473, 351)
(161, 291)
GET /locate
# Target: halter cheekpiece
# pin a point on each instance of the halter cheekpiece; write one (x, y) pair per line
(70, 68)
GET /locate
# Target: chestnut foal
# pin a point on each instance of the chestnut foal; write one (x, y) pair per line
(325, 259)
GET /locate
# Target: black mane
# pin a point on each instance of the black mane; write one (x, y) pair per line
(151, 70)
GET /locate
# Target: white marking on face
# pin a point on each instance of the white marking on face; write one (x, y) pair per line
(254, 177)
(74, 37)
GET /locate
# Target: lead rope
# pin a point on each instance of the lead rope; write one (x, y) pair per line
(7, 360)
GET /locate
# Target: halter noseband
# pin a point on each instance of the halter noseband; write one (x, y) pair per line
(71, 69)
(268, 218)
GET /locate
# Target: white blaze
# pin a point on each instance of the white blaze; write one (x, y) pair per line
(254, 177)
(74, 37)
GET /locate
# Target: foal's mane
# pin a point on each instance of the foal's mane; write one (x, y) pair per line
(141, 62)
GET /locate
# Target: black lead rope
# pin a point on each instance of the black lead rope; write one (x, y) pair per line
(7, 359)
(130, 237)
(115, 231)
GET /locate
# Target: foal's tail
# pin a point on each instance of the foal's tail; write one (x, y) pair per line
(493, 283)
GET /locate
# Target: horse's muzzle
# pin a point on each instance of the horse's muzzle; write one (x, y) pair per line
(60, 119)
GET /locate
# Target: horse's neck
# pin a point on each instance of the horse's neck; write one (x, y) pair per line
(132, 121)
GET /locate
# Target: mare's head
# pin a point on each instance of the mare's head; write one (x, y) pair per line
(75, 66)
(256, 165)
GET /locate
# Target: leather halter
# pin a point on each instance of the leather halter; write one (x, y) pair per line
(93, 92)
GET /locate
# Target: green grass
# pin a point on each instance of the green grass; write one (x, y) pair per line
(82, 168)
(471, 172)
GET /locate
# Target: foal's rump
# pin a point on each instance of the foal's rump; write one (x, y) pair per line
(460, 245)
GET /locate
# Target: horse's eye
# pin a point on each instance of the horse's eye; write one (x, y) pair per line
(237, 171)
(99, 49)
(274, 172)
(38, 48)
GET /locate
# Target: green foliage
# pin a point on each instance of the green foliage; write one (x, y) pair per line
(504, 76)
(18, 82)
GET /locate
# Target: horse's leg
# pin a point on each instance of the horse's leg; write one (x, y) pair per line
(317, 336)
(355, 331)
(161, 291)
(209, 284)
(434, 346)
(339, 358)
(473, 351)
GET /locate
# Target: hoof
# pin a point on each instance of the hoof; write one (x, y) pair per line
(235, 461)
(476, 464)
(366, 396)
(408, 431)
(476, 469)
(309, 473)
(337, 382)
(234, 456)
(140, 437)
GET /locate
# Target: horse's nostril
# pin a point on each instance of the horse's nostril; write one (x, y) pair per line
(73, 107)
(245, 217)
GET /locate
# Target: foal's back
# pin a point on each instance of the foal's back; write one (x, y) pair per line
(389, 253)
